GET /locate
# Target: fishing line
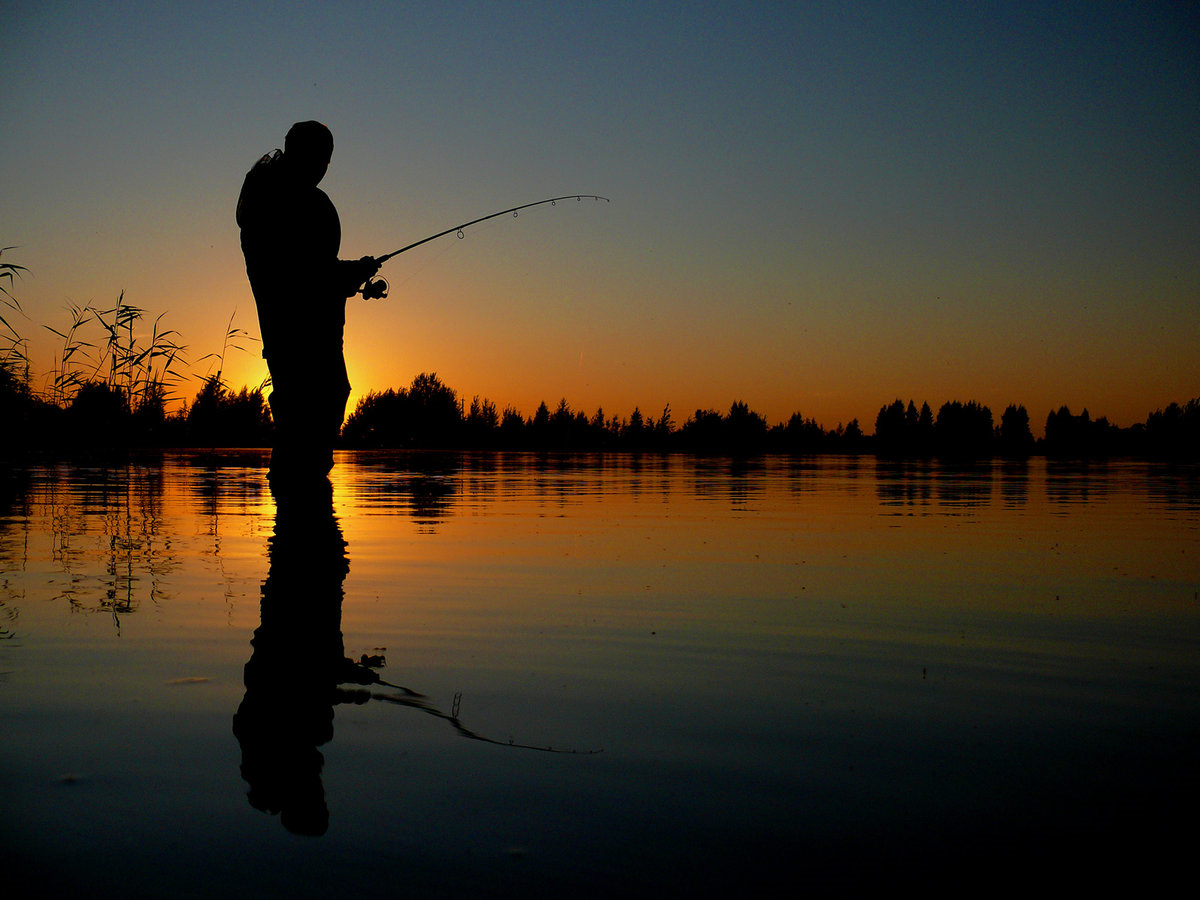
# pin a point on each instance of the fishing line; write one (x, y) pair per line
(413, 272)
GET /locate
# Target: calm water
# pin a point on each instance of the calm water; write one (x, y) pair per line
(841, 671)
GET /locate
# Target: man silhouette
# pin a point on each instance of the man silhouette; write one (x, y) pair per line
(290, 236)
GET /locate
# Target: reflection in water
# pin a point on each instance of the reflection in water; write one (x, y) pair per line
(903, 482)
(298, 661)
(425, 484)
(1179, 490)
(964, 485)
(13, 509)
(295, 675)
(954, 487)
(1006, 667)
(123, 507)
(1014, 483)
(1077, 482)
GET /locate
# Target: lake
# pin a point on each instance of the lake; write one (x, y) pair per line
(519, 675)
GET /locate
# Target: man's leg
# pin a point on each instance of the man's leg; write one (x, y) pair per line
(308, 404)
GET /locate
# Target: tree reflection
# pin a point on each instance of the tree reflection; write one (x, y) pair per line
(427, 484)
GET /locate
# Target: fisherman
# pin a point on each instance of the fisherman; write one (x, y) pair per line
(290, 236)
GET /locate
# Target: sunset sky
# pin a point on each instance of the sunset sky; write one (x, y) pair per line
(816, 207)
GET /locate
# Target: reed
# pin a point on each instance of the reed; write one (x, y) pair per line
(68, 367)
(232, 341)
(14, 356)
(142, 370)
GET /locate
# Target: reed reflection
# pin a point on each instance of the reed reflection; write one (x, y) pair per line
(13, 546)
(298, 663)
(111, 535)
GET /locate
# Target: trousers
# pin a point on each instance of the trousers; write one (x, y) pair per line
(308, 398)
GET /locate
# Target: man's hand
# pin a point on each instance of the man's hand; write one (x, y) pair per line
(357, 272)
(369, 267)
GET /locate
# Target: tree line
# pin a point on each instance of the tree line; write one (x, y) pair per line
(968, 429)
(111, 384)
(430, 414)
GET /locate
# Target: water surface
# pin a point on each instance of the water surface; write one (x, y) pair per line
(842, 671)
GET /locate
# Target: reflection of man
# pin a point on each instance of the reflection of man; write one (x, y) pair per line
(293, 675)
(290, 237)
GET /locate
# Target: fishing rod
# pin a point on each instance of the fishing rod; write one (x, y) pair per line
(377, 288)
(419, 703)
(362, 673)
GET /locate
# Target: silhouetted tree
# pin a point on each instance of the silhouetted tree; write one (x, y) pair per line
(963, 429)
(1174, 431)
(512, 428)
(851, 437)
(434, 412)
(891, 435)
(799, 435)
(378, 420)
(911, 417)
(561, 426)
(219, 417)
(426, 415)
(903, 430)
(1016, 439)
(742, 431)
(745, 430)
(17, 403)
(664, 428)
(98, 415)
(538, 428)
(702, 431)
(483, 423)
(925, 426)
(635, 430)
(1070, 435)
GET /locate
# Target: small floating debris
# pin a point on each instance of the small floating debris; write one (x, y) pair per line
(70, 778)
(192, 679)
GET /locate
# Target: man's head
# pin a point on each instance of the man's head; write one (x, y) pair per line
(307, 149)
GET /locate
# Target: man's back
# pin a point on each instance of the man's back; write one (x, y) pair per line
(290, 236)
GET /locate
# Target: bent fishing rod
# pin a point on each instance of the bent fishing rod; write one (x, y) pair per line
(363, 674)
(377, 288)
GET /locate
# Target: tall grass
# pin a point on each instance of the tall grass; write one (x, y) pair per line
(233, 340)
(14, 358)
(111, 378)
(66, 375)
(140, 370)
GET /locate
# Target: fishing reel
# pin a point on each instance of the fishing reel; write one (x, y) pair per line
(374, 289)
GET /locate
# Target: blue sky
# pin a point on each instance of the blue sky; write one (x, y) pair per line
(815, 207)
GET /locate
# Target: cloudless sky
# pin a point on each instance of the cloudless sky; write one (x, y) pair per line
(816, 207)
